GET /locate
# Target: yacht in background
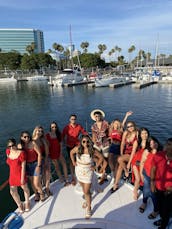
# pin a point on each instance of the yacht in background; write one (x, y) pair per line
(9, 79)
(69, 77)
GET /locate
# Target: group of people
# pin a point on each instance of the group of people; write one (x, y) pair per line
(120, 146)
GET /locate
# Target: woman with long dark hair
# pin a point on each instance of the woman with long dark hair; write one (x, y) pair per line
(84, 167)
(55, 152)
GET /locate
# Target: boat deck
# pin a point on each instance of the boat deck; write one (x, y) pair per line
(64, 209)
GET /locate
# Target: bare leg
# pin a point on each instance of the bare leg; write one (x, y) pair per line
(26, 195)
(57, 168)
(136, 182)
(64, 166)
(16, 197)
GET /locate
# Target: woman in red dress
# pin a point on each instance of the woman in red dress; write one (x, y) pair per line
(135, 163)
(55, 151)
(16, 160)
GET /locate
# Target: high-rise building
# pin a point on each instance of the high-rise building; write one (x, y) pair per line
(19, 39)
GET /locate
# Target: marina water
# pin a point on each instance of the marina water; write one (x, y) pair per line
(24, 105)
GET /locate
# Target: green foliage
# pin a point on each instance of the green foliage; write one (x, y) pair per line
(10, 60)
(90, 60)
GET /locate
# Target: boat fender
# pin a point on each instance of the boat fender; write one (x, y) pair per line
(12, 221)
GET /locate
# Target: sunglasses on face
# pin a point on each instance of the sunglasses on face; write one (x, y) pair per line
(73, 119)
(26, 136)
(85, 141)
(129, 126)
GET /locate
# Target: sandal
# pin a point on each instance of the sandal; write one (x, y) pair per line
(48, 192)
(67, 183)
(27, 206)
(37, 197)
(73, 182)
(88, 214)
(153, 215)
(112, 190)
(42, 197)
(142, 208)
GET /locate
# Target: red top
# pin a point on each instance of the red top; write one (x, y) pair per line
(116, 135)
(129, 145)
(15, 169)
(148, 163)
(31, 155)
(72, 133)
(54, 147)
(163, 175)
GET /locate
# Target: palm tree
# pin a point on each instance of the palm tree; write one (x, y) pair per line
(31, 48)
(130, 50)
(84, 46)
(102, 48)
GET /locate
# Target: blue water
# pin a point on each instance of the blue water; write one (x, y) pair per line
(26, 104)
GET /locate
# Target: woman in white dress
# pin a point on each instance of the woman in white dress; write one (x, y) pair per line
(82, 157)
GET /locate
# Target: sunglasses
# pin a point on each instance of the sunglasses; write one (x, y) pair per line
(129, 126)
(84, 141)
(73, 119)
(26, 136)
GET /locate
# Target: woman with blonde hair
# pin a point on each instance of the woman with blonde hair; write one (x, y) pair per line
(39, 138)
(128, 148)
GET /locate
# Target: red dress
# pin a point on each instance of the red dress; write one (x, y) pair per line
(54, 147)
(15, 169)
(136, 162)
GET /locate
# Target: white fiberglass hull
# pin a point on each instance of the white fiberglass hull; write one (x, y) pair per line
(64, 209)
(104, 82)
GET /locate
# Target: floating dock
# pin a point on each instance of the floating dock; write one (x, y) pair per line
(140, 85)
(116, 85)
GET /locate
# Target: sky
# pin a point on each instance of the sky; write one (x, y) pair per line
(146, 24)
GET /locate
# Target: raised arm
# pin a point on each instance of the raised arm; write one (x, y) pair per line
(123, 142)
(128, 113)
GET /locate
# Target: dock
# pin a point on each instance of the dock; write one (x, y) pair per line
(116, 85)
(140, 85)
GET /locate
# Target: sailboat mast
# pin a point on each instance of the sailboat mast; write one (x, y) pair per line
(71, 46)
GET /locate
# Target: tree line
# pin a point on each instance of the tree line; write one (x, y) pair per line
(30, 60)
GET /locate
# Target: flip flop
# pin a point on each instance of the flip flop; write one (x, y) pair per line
(152, 215)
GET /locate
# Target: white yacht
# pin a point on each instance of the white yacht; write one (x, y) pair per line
(68, 77)
(9, 79)
(64, 209)
(109, 79)
(37, 78)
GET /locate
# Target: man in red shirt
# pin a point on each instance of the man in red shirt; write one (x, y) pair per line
(70, 135)
(161, 183)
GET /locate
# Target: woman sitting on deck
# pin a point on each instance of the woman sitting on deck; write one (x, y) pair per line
(128, 148)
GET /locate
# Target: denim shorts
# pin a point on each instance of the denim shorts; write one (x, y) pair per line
(115, 149)
(31, 169)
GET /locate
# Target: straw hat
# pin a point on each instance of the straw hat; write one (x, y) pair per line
(92, 114)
